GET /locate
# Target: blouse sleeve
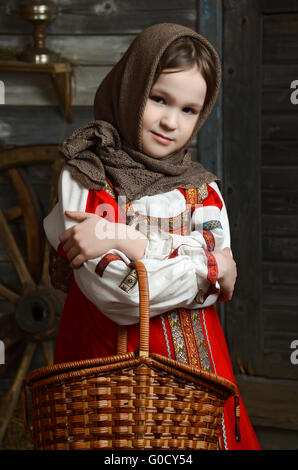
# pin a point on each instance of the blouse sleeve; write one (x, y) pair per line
(209, 231)
(110, 281)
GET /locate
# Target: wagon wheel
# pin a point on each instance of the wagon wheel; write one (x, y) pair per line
(30, 310)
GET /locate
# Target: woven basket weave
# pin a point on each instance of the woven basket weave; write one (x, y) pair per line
(136, 400)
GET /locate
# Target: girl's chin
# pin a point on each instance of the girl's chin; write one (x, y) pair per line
(157, 152)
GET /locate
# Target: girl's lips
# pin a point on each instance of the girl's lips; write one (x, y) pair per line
(162, 139)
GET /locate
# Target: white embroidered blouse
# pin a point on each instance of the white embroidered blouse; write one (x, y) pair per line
(178, 266)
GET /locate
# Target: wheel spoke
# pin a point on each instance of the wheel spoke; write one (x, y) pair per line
(32, 219)
(56, 168)
(12, 338)
(13, 213)
(15, 254)
(48, 350)
(45, 277)
(8, 294)
(11, 399)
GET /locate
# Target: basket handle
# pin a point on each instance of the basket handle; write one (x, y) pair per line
(144, 310)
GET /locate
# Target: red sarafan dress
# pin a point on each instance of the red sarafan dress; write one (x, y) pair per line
(183, 227)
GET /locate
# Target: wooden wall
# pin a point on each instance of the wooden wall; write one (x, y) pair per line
(279, 176)
(260, 174)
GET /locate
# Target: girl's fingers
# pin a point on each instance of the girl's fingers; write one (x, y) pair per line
(76, 215)
(80, 216)
(68, 245)
(72, 254)
(65, 235)
(77, 262)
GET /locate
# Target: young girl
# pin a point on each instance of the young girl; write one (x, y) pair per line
(130, 191)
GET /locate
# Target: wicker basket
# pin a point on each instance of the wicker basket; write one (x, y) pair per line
(136, 400)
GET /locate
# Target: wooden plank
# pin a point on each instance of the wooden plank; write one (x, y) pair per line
(280, 225)
(242, 159)
(270, 402)
(276, 6)
(34, 89)
(280, 202)
(280, 25)
(282, 50)
(279, 127)
(34, 125)
(280, 249)
(280, 273)
(283, 296)
(280, 177)
(277, 318)
(211, 135)
(112, 16)
(279, 153)
(79, 50)
(277, 364)
(279, 75)
(276, 438)
(277, 100)
(280, 341)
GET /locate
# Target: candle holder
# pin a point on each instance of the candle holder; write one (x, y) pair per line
(39, 13)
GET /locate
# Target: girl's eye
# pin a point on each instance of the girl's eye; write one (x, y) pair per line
(157, 99)
(189, 111)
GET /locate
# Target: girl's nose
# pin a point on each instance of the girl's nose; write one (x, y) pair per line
(169, 120)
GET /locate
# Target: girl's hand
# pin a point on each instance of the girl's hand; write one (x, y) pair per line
(93, 236)
(227, 273)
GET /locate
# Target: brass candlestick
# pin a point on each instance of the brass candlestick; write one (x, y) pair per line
(39, 13)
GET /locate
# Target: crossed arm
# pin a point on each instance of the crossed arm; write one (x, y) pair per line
(93, 236)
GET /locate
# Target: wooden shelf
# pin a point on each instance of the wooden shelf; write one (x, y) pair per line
(60, 72)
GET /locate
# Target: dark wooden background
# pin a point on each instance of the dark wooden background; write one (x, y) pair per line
(250, 141)
(260, 173)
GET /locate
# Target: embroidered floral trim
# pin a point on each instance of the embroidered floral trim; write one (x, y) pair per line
(189, 337)
(177, 335)
(209, 239)
(180, 224)
(192, 197)
(105, 261)
(202, 193)
(129, 281)
(211, 225)
(108, 188)
(211, 267)
(200, 339)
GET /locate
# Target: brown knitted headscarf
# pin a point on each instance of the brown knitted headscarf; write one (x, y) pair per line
(111, 145)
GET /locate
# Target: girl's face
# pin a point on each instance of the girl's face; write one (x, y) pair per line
(172, 110)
